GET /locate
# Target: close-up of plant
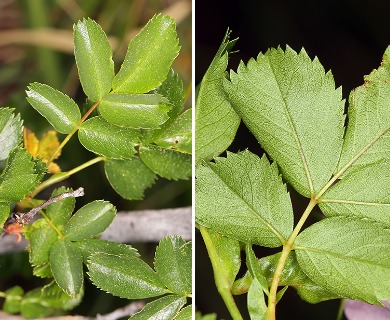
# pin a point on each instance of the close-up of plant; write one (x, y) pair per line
(338, 245)
(135, 122)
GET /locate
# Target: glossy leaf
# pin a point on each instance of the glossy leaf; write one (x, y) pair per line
(256, 302)
(185, 313)
(178, 135)
(149, 57)
(173, 264)
(13, 297)
(10, 131)
(163, 308)
(135, 110)
(124, 276)
(59, 109)
(355, 196)
(254, 268)
(243, 197)
(93, 56)
(350, 258)
(4, 212)
(89, 247)
(59, 212)
(43, 271)
(66, 264)
(106, 139)
(129, 178)
(292, 107)
(90, 220)
(167, 163)
(20, 175)
(41, 241)
(216, 123)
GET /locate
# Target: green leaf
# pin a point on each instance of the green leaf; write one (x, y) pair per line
(10, 131)
(349, 258)
(89, 247)
(93, 59)
(19, 176)
(254, 268)
(256, 302)
(124, 276)
(167, 163)
(243, 197)
(149, 57)
(90, 220)
(59, 212)
(33, 306)
(13, 297)
(135, 110)
(53, 296)
(225, 255)
(216, 123)
(4, 212)
(178, 135)
(43, 271)
(383, 72)
(354, 195)
(129, 178)
(241, 285)
(173, 264)
(292, 107)
(67, 266)
(106, 139)
(41, 241)
(185, 313)
(163, 308)
(59, 109)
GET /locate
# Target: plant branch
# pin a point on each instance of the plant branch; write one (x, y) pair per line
(272, 300)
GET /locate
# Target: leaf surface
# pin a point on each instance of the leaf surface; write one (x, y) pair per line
(173, 264)
(216, 122)
(243, 197)
(134, 110)
(163, 308)
(66, 264)
(59, 109)
(10, 131)
(124, 276)
(349, 258)
(149, 57)
(101, 137)
(129, 178)
(59, 212)
(93, 56)
(90, 220)
(256, 302)
(292, 107)
(185, 313)
(41, 241)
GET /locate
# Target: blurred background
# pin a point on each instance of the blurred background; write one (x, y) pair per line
(349, 38)
(36, 44)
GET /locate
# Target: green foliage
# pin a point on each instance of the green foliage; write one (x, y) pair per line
(10, 132)
(290, 104)
(163, 308)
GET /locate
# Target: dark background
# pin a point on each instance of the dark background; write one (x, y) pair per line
(349, 37)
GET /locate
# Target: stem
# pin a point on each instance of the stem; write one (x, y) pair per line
(67, 138)
(64, 175)
(221, 280)
(283, 258)
(341, 310)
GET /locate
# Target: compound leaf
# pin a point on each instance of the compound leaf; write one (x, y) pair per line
(216, 123)
(129, 178)
(243, 197)
(90, 220)
(59, 109)
(93, 56)
(124, 276)
(10, 131)
(348, 257)
(59, 212)
(149, 57)
(101, 137)
(292, 107)
(163, 308)
(135, 110)
(66, 264)
(173, 264)
(167, 163)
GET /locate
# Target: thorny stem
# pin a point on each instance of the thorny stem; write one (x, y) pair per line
(287, 247)
(67, 138)
(64, 175)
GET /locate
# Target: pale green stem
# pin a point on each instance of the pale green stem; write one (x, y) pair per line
(341, 310)
(64, 175)
(272, 300)
(221, 281)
